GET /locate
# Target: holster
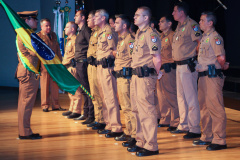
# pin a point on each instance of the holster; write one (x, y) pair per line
(192, 65)
(92, 61)
(73, 63)
(110, 61)
(168, 66)
(127, 72)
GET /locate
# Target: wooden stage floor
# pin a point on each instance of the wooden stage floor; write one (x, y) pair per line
(68, 139)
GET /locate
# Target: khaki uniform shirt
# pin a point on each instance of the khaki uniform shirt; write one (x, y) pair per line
(184, 40)
(124, 51)
(211, 46)
(166, 50)
(107, 42)
(69, 50)
(147, 42)
(92, 47)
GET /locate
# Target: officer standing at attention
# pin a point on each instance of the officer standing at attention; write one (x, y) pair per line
(81, 47)
(122, 72)
(146, 63)
(184, 51)
(28, 82)
(211, 62)
(92, 75)
(48, 86)
(76, 99)
(107, 41)
(166, 86)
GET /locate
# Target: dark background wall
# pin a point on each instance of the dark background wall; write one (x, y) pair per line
(228, 24)
(228, 20)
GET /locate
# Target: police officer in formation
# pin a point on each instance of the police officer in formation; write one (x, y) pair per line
(136, 68)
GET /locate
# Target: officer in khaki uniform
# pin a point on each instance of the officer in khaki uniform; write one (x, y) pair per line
(211, 62)
(92, 75)
(76, 99)
(122, 68)
(46, 82)
(28, 81)
(166, 86)
(184, 50)
(146, 63)
(107, 41)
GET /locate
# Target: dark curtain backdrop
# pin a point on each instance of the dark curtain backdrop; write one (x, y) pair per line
(227, 25)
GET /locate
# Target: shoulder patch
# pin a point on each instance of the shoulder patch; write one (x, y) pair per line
(197, 34)
(154, 47)
(217, 40)
(131, 44)
(195, 27)
(109, 36)
(154, 37)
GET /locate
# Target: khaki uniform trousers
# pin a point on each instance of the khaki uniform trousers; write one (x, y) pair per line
(213, 116)
(28, 87)
(47, 84)
(76, 99)
(123, 89)
(109, 89)
(144, 110)
(167, 98)
(187, 98)
(94, 88)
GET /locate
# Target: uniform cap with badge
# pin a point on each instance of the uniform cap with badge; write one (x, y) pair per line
(28, 14)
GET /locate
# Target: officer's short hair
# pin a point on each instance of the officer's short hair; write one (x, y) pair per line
(44, 19)
(74, 25)
(83, 13)
(147, 11)
(210, 17)
(113, 18)
(125, 19)
(104, 13)
(92, 12)
(182, 6)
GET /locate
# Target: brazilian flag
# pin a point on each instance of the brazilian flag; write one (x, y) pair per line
(52, 63)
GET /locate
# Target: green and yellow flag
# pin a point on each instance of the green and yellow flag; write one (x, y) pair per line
(52, 63)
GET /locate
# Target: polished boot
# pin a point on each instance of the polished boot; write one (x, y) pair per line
(82, 117)
(131, 142)
(31, 137)
(73, 115)
(99, 126)
(134, 148)
(66, 113)
(103, 131)
(145, 152)
(190, 135)
(123, 137)
(88, 121)
(113, 134)
(200, 142)
(214, 147)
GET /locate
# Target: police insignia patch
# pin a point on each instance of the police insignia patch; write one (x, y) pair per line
(217, 41)
(154, 47)
(197, 34)
(109, 36)
(195, 27)
(130, 44)
(154, 39)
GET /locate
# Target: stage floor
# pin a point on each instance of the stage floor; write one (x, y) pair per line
(68, 139)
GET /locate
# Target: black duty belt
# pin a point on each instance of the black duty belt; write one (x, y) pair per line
(126, 72)
(143, 71)
(106, 62)
(92, 61)
(206, 73)
(187, 61)
(81, 60)
(168, 66)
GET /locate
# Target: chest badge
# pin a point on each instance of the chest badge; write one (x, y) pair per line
(122, 43)
(166, 39)
(183, 29)
(207, 40)
(131, 45)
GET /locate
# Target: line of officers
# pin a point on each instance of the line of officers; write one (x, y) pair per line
(169, 76)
